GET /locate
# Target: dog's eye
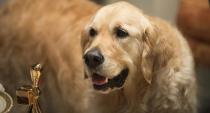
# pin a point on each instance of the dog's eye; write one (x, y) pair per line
(121, 33)
(92, 32)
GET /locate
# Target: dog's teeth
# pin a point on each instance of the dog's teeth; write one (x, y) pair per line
(106, 80)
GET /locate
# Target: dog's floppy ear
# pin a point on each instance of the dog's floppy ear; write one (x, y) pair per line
(148, 55)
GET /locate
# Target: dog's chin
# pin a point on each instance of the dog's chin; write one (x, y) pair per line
(105, 85)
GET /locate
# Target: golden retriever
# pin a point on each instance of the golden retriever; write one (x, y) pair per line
(115, 60)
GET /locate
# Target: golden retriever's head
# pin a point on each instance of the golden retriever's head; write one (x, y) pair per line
(114, 43)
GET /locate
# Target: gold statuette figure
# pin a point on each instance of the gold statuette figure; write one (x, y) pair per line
(29, 94)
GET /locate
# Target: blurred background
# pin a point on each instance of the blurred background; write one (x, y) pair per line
(192, 17)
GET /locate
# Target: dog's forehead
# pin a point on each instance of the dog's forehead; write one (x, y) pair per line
(116, 10)
(117, 13)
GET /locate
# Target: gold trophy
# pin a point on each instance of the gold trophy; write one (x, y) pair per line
(29, 94)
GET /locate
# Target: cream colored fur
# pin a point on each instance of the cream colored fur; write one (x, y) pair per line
(161, 77)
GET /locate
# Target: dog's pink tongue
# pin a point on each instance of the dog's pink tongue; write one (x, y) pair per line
(98, 80)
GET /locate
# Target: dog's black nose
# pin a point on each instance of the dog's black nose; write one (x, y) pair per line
(93, 58)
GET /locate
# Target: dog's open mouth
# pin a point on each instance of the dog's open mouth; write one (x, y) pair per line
(103, 83)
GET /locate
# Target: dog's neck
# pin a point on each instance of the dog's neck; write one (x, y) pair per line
(125, 99)
(135, 92)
